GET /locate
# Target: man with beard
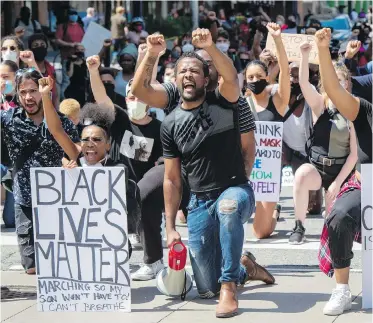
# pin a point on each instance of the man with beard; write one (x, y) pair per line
(203, 134)
(29, 144)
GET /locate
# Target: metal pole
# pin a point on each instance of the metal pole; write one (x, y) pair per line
(194, 7)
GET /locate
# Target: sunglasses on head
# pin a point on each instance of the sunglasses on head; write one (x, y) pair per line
(12, 48)
(93, 139)
(27, 70)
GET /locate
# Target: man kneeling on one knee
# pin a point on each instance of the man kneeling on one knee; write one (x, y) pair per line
(203, 134)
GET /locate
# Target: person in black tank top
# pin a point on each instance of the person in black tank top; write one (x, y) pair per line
(268, 104)
(343, 223)
(331, 148)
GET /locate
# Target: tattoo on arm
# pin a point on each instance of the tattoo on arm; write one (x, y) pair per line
(149, 65)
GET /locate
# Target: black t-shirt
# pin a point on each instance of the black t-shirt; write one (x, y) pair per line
(246, 118)
(363, 128)
(142, 145)
(118, 128)
(207, 140)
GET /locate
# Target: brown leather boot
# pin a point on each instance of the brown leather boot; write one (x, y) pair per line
(228, 302)
(255, 271)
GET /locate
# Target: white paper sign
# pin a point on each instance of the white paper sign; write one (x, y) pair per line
(81, 244)
(287, 177)
(367, 233)
(94, 37)
(265, 176)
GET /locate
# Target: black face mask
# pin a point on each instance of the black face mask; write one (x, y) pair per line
(244, 62)
(258, 86)
(80, 54)
(109, 87)
(295, 89)
(39, 53)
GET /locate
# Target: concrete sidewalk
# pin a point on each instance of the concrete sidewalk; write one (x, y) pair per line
(296, 297)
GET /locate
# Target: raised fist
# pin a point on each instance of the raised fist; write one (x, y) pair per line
(305, 48)
(274, 29)
(45, 85)
(267, 57)
(323, 37)
(142, 50)
(353, 48)
(27, 57)
(93, 63)
(202, 38)
(155, 43)
(211, 15)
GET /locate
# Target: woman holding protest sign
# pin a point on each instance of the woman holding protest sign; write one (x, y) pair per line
(94, 147)
(331, 146)
(268, 103)
(343, 224)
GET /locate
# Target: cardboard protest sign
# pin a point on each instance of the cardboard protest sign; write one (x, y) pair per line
(81, 240)
(287, 177)
(94, 37)
(291, 43)
(265, 176)
(367, 233)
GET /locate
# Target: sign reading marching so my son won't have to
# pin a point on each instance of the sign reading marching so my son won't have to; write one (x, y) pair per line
(266, 174)
(81, 240)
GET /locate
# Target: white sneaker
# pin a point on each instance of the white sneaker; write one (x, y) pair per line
(148, 271)
(135, 241)
(339, 302)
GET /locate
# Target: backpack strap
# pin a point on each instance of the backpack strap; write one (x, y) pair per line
(293, 107)
(252, 107)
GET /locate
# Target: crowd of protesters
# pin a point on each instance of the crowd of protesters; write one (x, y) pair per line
(181, 120)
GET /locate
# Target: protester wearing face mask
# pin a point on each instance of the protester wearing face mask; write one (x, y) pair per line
(77, 72)
(223, 44)
(291, 26)
(8, 71)
(268, 103)
(137, 31)
(169, 73)
(30, 26)
(38, 44)
(11, 48)
(68, 35)
(127, 61)
(176, 53)
(24, 131)
(8, 101)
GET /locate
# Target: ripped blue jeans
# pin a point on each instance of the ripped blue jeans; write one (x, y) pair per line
(216, 237)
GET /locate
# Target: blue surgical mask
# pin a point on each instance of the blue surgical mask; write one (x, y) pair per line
(73, 18)
(9, 87)
(187, 48)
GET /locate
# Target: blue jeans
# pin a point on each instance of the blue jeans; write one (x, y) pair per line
(216, 237)
(8, 210)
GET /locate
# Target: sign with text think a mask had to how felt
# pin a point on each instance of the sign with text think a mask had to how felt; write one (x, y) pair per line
(265, 176)
(292, 46)
(81, 243)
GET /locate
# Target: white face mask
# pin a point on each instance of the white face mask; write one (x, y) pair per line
(167, 79)
(187, 48)
(136, 110)
(10, 56)
(223, 47)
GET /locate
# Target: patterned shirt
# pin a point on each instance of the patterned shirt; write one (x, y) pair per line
(18, 132)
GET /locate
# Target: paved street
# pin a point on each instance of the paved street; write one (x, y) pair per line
(300, 292)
